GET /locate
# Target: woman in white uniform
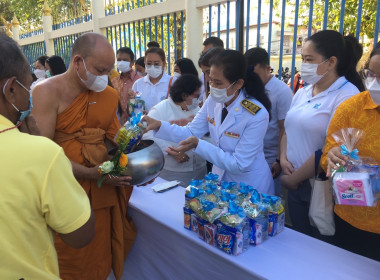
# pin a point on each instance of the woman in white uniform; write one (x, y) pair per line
(329, 68)
(237, 118)
(182, 104)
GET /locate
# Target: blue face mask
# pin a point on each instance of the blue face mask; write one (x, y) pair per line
(21, 114)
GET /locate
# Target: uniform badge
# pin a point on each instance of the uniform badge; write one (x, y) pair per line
(250, 106)
(231, 134)
(212, 121)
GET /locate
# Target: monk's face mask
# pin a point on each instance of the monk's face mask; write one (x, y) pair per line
(93, 82)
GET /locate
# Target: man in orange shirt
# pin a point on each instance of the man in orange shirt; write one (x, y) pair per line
(123, 83)
(357, 227)
(78, 111)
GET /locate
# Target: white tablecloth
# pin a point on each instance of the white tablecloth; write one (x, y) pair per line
(164, 249)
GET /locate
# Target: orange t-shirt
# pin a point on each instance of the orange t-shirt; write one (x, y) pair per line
(358, 112)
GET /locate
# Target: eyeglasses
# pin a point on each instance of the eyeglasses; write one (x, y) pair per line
(368, 74)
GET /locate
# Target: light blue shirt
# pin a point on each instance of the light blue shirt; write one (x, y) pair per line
(237, 149)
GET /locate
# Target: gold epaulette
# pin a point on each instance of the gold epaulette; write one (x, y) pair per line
(250, 106)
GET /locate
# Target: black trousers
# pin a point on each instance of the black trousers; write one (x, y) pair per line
(355, 240)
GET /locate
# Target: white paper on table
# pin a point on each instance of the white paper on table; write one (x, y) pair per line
(165, 186)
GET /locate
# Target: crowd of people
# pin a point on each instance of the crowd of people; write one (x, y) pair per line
(235, 118)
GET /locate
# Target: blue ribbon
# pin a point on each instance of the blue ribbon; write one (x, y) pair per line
(228, 185)
(211, 186)
(234, 209)
(255, 198)
(207, 205)
(353, 154)
(225, 196)
(194, 192)
(245, 189)
(211, 177)
(195, 183)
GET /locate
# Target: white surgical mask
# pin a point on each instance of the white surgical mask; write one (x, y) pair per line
(176, 74)
(219, 95)
(93, 82)
(39, 73)
(194, 105)
(309, 72)
(153, 71)
(124, 66)
(373, 87)
(141, 74)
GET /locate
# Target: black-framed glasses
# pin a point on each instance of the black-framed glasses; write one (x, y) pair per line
(368, 74)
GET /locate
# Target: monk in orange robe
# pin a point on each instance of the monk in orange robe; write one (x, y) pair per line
(78, 111)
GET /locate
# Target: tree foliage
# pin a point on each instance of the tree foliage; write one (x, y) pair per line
(368, 16)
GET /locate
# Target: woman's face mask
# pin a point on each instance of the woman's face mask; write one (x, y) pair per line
(309, 72)
(219, 95)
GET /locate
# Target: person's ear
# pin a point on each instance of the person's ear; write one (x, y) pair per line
(332, 62)
(131, 63)
(76, 60)
(239, 84)
(9, 89)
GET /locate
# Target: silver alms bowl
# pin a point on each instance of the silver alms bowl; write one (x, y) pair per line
(145, 163)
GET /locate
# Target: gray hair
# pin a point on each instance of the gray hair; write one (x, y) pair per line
(12, 60)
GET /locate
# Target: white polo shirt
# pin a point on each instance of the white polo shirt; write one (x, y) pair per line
(308, 118)
(280, 96)
(150, 93)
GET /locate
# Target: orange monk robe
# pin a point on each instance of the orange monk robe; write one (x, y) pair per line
(81, 131)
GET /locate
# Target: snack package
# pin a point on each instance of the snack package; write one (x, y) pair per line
(276, 214)
(211, 178)
(210, 234)
(226, 238)
(201, 227)
(353, 188)
(194, 222)
(229, 187)
(129, 135)
(244, 193)
(209, 212)
(358, 182)
(192, 193)
(187, 217)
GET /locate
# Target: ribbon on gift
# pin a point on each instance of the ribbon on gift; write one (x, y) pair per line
(194, 192)
(353, 154)
(195, 183)
(228, 185)
(207, 205)
(255, 198)
(135, 119)
(211, 177)
(245, 189)
(234, 209)
(225, 196)
(211, 186)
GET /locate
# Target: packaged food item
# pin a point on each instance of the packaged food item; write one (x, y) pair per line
(201, 227)
(194, 222)
(187, 217)
(210, 234)
(276, 215)
(211, 179)
(244, 193)
(230, 239)
(129, 135)
(191, 193)
(229, 187)
(208, 211)
(358, 182)
(210, 195)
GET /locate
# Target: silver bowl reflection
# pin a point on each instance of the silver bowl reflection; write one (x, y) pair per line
(145, 163)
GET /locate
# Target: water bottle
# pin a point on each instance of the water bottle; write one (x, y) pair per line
(139, 105)
(246, 235)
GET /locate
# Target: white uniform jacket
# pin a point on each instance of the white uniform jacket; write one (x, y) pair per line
(237, 149)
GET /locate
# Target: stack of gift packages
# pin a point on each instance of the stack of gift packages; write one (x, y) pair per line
(231, 216)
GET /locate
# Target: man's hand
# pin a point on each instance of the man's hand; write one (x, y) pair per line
(276, 170)
(152, 124)
(287, 167)
(178, 156)
(29, 126)
(122, 181)
(131, 94)
(334, 157)
(186, 145)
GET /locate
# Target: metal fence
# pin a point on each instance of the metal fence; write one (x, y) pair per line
(279, 26)
(33, 51)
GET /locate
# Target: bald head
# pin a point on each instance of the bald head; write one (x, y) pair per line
(90, 43)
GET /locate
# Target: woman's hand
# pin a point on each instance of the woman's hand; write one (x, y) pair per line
(182, 122)
(179, 156)
(335, 157)
(131, 94)
(276, 170)
(287, 167)
(186, 145)
(152, 124)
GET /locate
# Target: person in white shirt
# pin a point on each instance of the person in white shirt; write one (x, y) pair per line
(209, 43)
(154, 86)
(182, 104)
(329, 67)
(236, 116)
(39, 70)
(280, 96)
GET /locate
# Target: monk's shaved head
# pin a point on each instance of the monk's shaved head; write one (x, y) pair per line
(87, 43)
